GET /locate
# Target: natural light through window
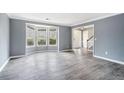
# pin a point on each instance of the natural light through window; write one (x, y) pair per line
(41, 36)
(30, 35)
(52, 36)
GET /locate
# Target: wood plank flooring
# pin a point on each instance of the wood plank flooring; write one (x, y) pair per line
(78, 65)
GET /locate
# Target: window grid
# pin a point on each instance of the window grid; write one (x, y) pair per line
(41, 36)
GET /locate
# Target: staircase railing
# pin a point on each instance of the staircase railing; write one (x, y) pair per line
(90, 38)
(89, 41)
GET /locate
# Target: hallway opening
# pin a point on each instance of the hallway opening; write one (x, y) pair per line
(83, 38)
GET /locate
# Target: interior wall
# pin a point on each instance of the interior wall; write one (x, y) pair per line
(109, 35)
(18, 36)
(65, 38)
(4, 38)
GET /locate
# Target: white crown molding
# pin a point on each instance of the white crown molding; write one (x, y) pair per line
(95, 19)
(33, 20)
(58, 24)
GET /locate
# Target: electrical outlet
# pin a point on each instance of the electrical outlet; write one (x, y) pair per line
(106, 52)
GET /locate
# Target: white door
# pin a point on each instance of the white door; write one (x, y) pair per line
(76, 39)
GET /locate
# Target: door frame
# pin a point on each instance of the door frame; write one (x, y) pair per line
(92, 26)
(86, 26)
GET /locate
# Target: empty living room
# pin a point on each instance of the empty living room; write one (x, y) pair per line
(61, 46)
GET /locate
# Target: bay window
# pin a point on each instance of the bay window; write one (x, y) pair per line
(52, 36)
(41, 36)
(30, 36)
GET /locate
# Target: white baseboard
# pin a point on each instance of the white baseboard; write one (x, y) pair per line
(46, 51)
(111, 60)
(6, 62)
(17, 56)
(30, 53)
(66, 50)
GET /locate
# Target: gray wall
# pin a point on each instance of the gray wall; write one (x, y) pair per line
(4, 38)
(18, 36)
(109, 34)
(65, 38)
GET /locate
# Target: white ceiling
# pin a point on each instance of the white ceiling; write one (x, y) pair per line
(68, 19)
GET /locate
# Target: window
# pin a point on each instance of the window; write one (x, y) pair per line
(30, 36)
(41, 36)
(52, 36)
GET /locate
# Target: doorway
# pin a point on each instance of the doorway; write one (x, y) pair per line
(83, 38)
(76, 39)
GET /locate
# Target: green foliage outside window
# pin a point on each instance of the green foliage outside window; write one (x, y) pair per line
(30, 42)
(41, 42)
(52, 41)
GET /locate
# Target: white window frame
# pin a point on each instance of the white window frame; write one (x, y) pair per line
(56, 36)
(27, 37)
(37, 36)
(47, 38)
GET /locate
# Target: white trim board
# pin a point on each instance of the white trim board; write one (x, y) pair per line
(46, 51)
(84, 26)
(30, 53)
(38, 21)
(17, 56)
(6, 62)
(95, 19)
(111, 60)
(60, 24)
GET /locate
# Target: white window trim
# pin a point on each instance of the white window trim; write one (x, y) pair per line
(37, 39)
(27, 37)
(56, 36)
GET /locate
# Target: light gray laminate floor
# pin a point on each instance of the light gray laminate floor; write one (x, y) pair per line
(78, 65)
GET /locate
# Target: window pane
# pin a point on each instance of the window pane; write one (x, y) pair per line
(30, 41)
(41, 36)
(52, 36)
(41, 41)
(30, 35)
